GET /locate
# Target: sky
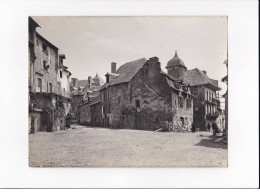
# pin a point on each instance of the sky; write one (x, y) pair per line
(92, 43)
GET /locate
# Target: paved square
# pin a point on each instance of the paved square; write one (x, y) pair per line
(103, 147)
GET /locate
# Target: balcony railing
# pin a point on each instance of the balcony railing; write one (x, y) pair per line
(212, 115)
(213, 100)
(48, 89)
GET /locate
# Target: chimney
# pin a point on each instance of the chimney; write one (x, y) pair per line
(205, 72)
(89, 82)
(107, 77)
(74, 82)
(113, 67)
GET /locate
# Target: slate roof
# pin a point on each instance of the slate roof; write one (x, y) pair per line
(175, 61)
(95, 100)
(98, 80)
(127, 71)
(196, 77)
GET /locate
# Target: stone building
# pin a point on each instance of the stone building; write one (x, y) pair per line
(204, 90)
(47, 107)
(82, 92)
(139, 95)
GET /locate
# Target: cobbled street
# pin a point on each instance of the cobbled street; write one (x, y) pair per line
(84, 146)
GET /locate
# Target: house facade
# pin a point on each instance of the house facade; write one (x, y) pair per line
(139, 95)
(63, 77)
(204, 90)
(47, 107)
(84, 91)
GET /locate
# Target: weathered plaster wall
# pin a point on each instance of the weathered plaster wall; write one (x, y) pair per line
(51, 57)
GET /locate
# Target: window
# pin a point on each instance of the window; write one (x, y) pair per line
(103, 110)
(104, 96)
(207, 98)
(119, 99)
(109, 108)
(188, 103)
(107, 94)
(137, 103)
(180, 102)
(39, 87)
(44, 48)
(60, 74)
(47, 90)
(50, 87)
(45, 66)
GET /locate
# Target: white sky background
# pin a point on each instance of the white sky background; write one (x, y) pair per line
(92, 43)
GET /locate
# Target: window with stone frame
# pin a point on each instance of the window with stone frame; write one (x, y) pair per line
(39, 86)
(188, 103)
(180, 101)
(45, 65)
(50, 87)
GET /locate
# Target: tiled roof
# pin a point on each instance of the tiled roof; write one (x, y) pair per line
(197, 77)
(128, 70)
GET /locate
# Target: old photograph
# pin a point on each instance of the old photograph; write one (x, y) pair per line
(128, 91)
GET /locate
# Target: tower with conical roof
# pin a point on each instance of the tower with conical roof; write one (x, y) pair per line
(176, 68)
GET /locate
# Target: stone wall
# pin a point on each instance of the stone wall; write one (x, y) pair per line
(76, 100)
(182, 115)
(84, 114)
(50, 111)
(96, 115)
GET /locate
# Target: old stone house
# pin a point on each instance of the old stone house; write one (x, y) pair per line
(47, 107)
(139, 95)
(204, 90)
(82, 92)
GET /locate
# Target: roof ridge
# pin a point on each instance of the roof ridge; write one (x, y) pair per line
(206, 77)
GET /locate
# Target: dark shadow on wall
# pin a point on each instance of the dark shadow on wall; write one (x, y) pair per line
(211, 141)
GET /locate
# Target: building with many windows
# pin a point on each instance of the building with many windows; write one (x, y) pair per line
(48, 105)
